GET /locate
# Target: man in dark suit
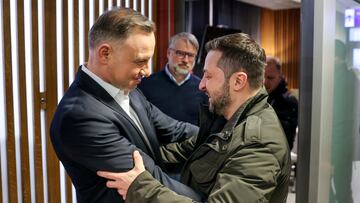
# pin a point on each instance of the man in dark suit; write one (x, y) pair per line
(102, 118)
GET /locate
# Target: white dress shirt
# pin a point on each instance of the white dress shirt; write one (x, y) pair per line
(119, 96)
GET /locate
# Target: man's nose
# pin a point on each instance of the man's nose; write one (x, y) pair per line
(145, 72)
(202, 86)
(186, 58)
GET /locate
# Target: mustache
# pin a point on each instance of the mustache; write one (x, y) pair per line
(185, 64)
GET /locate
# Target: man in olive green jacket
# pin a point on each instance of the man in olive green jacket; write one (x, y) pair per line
(240, 154)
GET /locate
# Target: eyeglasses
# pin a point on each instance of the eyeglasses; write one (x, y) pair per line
(183, 54)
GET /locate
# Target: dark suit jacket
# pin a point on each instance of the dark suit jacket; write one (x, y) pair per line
(91, 132)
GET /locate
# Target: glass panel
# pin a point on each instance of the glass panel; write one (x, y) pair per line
(345, 176)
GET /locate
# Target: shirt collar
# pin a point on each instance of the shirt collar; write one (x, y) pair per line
(168, 73)
(112, 90)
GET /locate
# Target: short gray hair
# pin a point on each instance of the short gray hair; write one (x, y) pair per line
(187, 36)
(118, 24)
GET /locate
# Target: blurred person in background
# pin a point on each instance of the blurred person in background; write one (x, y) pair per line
(284, 104)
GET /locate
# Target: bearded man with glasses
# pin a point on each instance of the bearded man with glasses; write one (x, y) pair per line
(179, 97)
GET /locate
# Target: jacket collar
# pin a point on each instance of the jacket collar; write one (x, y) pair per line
(112, 90)
(210, 121)
(279, 90)
(248, 108)
(89, 85)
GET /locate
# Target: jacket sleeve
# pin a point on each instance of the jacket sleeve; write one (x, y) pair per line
(147, 189)
(95, 143)
(247, 176)
(178, 152)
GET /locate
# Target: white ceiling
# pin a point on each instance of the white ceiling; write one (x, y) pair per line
(274, 4)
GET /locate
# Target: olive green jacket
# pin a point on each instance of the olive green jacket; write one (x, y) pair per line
(247, 161)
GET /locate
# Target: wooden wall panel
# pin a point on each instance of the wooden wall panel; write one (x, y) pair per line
(106, 5)
(146, 7)
(287, 44)
(24, 145)
(138, 5)
(86, 29)
(280, 37)
(10, 142)
(268, 31)
(96, 10)
(65, 44)
(76, 34)
(39, 186)
(53, 173)
(165, 29)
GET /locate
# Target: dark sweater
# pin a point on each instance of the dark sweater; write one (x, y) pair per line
(180, 102)
(286, 108)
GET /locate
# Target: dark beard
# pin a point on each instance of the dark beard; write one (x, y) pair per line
(220, 105)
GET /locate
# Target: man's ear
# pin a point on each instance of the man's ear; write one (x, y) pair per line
(240, 80)
(103, 52)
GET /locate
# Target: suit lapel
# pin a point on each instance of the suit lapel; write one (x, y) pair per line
(89, 85)
(139, 108)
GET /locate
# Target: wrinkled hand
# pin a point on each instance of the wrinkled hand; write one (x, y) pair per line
(122, 181)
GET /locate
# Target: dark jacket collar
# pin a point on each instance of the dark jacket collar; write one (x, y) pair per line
(90, 86)
(279, 90)
(212, 123)
(86, 83)
(246, 109)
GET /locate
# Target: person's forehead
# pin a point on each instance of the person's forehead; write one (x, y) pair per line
(138, 46)
(212, 60)
(271, 68)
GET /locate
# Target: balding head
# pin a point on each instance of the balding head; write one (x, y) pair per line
(273, 75)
